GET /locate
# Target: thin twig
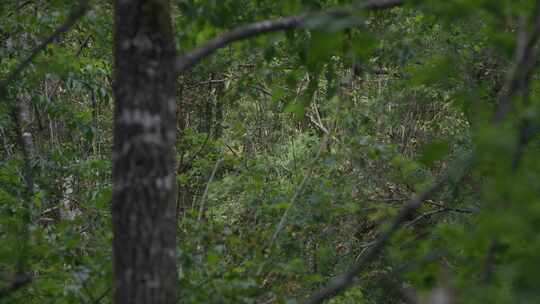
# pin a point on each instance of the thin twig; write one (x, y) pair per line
(7, 35)
(425, 215)
(317, 124)
(298, 191)
(211, 81)
(459, 210)
(19, 7)
(292, 203)
(203, 199)
(341, 282)
(520, 74)
(73, 17)
(296, 194)
(102, 296)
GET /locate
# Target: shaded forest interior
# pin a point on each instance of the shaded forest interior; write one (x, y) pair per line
(258, 151)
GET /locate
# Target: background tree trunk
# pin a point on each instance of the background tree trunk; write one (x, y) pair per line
(144, 185)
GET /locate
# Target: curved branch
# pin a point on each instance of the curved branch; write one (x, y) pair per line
(341, 282)
(73, 17)
(187, 61)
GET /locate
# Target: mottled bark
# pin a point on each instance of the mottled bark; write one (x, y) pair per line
(144, 184)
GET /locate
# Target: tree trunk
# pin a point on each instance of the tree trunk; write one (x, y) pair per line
(144, 183)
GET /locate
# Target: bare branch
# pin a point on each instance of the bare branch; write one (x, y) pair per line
(205, 194)
(73, 17)
(525, 62)
(340, 283)
(446, 208)
(187, 61)
(19, 7)
(487, 273)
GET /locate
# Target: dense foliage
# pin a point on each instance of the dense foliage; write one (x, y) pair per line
(296, 150)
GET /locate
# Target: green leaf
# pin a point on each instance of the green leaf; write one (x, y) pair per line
(434, 151)
(298, 109)
(323, 45)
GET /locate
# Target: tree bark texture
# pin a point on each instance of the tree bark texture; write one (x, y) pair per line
(144, 183)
